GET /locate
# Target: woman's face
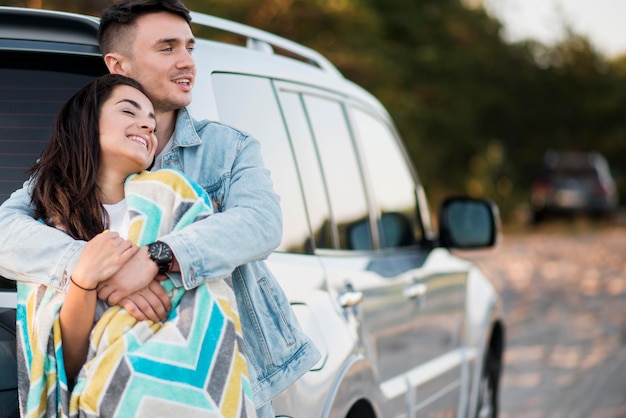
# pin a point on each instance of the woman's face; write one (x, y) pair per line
(127, 126)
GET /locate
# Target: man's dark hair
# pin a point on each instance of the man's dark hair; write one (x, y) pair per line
(122, 15)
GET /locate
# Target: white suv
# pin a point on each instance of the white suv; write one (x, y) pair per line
(405, 327)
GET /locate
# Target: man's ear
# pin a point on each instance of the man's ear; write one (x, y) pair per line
(116, 63)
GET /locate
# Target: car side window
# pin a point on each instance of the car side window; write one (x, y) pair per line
(249, 103)
(343, 180)
(311, 176)
(392, 181)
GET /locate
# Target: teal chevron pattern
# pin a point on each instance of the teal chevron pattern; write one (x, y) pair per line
(191, 365)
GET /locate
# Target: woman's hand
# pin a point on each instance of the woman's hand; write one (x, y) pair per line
(101, 258)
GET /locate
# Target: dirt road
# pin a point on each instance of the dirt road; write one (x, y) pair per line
(564, 291)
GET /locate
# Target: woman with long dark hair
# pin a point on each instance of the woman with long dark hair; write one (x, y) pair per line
(80, 356)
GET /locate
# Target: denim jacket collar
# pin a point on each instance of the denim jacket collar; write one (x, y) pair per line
(186, 131)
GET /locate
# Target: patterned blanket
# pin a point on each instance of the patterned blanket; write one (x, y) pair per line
(190, 366)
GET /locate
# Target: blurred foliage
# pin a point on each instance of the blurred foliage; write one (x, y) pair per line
(476, 113)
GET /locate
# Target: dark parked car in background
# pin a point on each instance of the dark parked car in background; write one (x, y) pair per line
(573, 183)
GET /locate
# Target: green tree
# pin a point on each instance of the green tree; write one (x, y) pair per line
(476, 113)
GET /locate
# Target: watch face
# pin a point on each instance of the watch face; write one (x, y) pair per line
(161, 251)
(161, 254)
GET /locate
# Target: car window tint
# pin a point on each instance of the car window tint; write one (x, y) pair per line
(308, 165)
(341, 172)
(391, 178)
(29, 103)
(249, 104)
(33, 88)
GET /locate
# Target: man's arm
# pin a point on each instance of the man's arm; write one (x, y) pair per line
(247, 228)
(31, 250)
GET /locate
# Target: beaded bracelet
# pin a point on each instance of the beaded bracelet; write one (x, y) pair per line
(83, 288)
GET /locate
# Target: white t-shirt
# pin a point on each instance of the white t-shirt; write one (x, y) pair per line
(118, 217)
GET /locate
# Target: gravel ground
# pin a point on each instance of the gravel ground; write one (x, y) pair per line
(564, 288)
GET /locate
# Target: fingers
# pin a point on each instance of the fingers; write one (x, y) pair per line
(114, 240)
(153, 305)
(132, 309)
(105, 293)
(161, 300)
(129, 250)
(144, 305)
(151, 302)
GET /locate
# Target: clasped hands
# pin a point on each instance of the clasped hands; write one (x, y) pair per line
(125, 275)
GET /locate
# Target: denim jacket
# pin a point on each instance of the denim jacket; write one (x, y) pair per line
(234, 241)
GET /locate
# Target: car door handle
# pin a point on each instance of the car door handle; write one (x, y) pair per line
(416, 290)
(350, 298)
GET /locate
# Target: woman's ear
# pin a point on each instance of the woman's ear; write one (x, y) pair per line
(115, 63)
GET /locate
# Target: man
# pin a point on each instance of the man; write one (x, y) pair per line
(151, 41)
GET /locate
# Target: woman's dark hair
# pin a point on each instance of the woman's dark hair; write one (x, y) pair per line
(117, 19)
(65, 192)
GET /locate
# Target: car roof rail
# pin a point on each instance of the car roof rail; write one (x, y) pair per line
(263, 41)
(83, 29)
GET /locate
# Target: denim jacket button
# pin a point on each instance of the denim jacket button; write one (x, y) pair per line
(63, 279)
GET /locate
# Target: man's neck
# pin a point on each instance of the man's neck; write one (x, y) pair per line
(166, 122)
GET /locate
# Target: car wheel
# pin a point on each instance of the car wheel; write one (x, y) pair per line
(487, 397)
(538, 217)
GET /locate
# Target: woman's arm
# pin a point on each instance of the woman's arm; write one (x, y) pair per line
(32, 251)
(101, 258)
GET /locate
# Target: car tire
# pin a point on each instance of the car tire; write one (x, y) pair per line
(538, 216)
(487, 406)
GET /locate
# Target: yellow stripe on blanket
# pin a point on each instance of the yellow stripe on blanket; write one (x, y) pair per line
(164, 177)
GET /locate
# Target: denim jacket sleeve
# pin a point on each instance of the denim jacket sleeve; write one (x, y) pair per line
(248, 225)
(31, 250)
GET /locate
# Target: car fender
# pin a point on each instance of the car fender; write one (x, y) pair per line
(354, 382)
(484, 317)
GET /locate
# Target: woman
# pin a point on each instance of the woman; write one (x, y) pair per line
(85, 185)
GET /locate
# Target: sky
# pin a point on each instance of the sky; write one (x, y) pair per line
(602, 21)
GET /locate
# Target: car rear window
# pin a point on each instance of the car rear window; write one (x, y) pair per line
(29, 102)
(33, 87)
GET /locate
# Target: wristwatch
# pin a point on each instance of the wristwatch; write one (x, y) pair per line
(161, 254)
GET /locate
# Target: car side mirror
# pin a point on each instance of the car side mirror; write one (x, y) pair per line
(466, 223)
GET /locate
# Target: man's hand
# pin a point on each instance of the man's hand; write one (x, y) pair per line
(133, 276)
(151, 303)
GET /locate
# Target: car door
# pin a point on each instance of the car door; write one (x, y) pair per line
(428, 348)
(340, 213)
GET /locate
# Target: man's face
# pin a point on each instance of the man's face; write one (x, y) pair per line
(161, 59)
